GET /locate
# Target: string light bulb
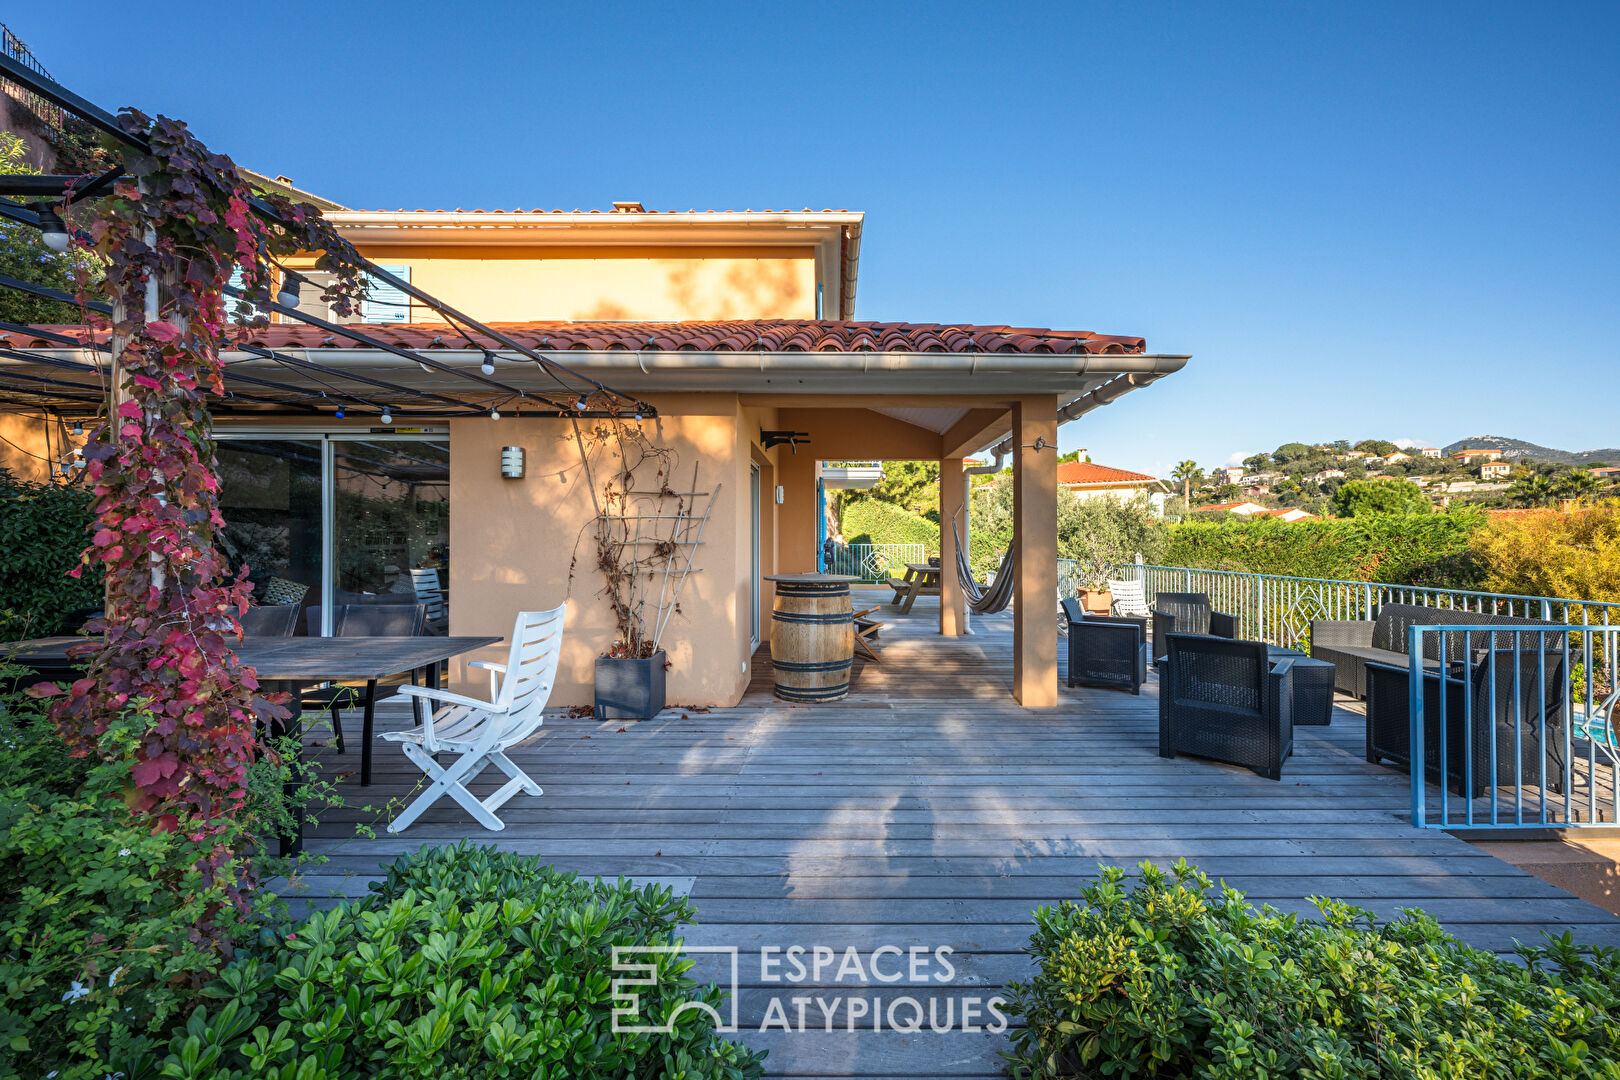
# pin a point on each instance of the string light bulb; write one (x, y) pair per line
(53, 231)
(387, 417)
(78, 427)
(494, 414)
(488, 366)
(288, 296)
(339, 413)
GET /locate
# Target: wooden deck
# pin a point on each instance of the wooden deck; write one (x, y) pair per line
(928, 810)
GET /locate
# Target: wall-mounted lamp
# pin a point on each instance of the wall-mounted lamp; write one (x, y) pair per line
(781, 495)
(512, 462)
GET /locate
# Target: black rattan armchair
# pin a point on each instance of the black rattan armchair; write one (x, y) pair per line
(1492, 713)
(1187, 613)
(1228, 701)
(1106, 650)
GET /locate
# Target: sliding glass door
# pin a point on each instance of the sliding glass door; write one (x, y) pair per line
(328, 519)
(270, 498)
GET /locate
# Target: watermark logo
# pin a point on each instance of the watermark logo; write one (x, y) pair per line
(636, 969)
(809, 988)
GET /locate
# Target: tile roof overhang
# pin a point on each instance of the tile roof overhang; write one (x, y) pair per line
(911, 362)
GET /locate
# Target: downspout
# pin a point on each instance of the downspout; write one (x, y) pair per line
(967, 514)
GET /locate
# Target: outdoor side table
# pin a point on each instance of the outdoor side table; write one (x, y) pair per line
(1313, 687)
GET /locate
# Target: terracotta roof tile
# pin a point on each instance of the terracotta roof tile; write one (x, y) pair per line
(748, 335)
(1084, 472)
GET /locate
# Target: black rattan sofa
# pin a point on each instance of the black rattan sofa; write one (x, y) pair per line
(1106, 650)
(1351, 646)
(1226, 700)
(1187, 613)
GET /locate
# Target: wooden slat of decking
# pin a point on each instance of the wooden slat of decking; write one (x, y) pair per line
(928, 810)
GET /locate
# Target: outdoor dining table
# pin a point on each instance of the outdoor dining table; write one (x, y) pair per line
(922, 579)
(289, 664)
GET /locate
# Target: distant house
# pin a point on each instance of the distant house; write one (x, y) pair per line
(1495, 470)
(1243, 508)
(1469, 456)
(1606, 471)
(1328, 474)
(1431, 452)
(1249, 509)
(1399, 456)
(1230, 474)
(1088, 480)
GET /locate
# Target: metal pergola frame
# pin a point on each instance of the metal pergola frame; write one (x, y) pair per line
(332, 385)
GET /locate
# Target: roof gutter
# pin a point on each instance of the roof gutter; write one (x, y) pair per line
(1140, 366)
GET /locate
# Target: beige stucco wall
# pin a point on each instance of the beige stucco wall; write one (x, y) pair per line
(30, 443)
(513, 542)
(526, 284)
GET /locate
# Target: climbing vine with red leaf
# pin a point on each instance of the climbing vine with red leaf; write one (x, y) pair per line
(187, 219)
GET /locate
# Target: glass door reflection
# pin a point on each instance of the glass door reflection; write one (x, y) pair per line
(391, 524)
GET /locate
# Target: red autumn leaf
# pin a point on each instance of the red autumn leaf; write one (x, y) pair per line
(149, 771)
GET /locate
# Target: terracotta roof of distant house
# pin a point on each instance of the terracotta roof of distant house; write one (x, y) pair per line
(1084, 472)
(748, 335)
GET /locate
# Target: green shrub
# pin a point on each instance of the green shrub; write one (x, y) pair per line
(99, 954)
(1358, 498)
(869, 521)
(464, 961)
(1168, 978)
(1402, 549)
(43, 527)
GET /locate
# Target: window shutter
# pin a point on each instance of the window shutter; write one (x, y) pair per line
(384, 303)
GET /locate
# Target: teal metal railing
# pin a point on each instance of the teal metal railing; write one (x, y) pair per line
(875, 562)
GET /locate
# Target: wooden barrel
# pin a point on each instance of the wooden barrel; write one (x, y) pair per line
(812, 637)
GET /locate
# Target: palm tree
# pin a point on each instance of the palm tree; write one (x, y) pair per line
(1533, 490)
(1186, 473)
(1577, 484)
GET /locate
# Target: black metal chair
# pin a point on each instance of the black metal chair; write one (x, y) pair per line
(269, 620)
(364, 620)
(1187, 613)
(1228, 701)
(1106, 650)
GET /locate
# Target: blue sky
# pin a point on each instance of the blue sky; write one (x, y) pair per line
(1363, 220)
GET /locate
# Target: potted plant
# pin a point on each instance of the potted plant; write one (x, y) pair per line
(630, 686)
(646, 537)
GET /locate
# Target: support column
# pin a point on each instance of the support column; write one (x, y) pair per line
(952, 600)
(1035, 679)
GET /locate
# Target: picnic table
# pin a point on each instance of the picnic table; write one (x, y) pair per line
(922, 579)
(290, 664)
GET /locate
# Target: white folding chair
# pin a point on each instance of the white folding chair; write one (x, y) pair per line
(1129, 598)
(480, 732)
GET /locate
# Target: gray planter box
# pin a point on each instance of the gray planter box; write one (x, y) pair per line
(628, 689)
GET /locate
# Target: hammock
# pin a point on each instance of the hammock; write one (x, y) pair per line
(984, 601)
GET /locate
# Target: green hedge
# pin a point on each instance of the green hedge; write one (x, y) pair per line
(1403, 549)
(1170, 978)
(43, 527)
(465, 961)
(868, 521)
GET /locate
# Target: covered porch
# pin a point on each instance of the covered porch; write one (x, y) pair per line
(929, 810)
